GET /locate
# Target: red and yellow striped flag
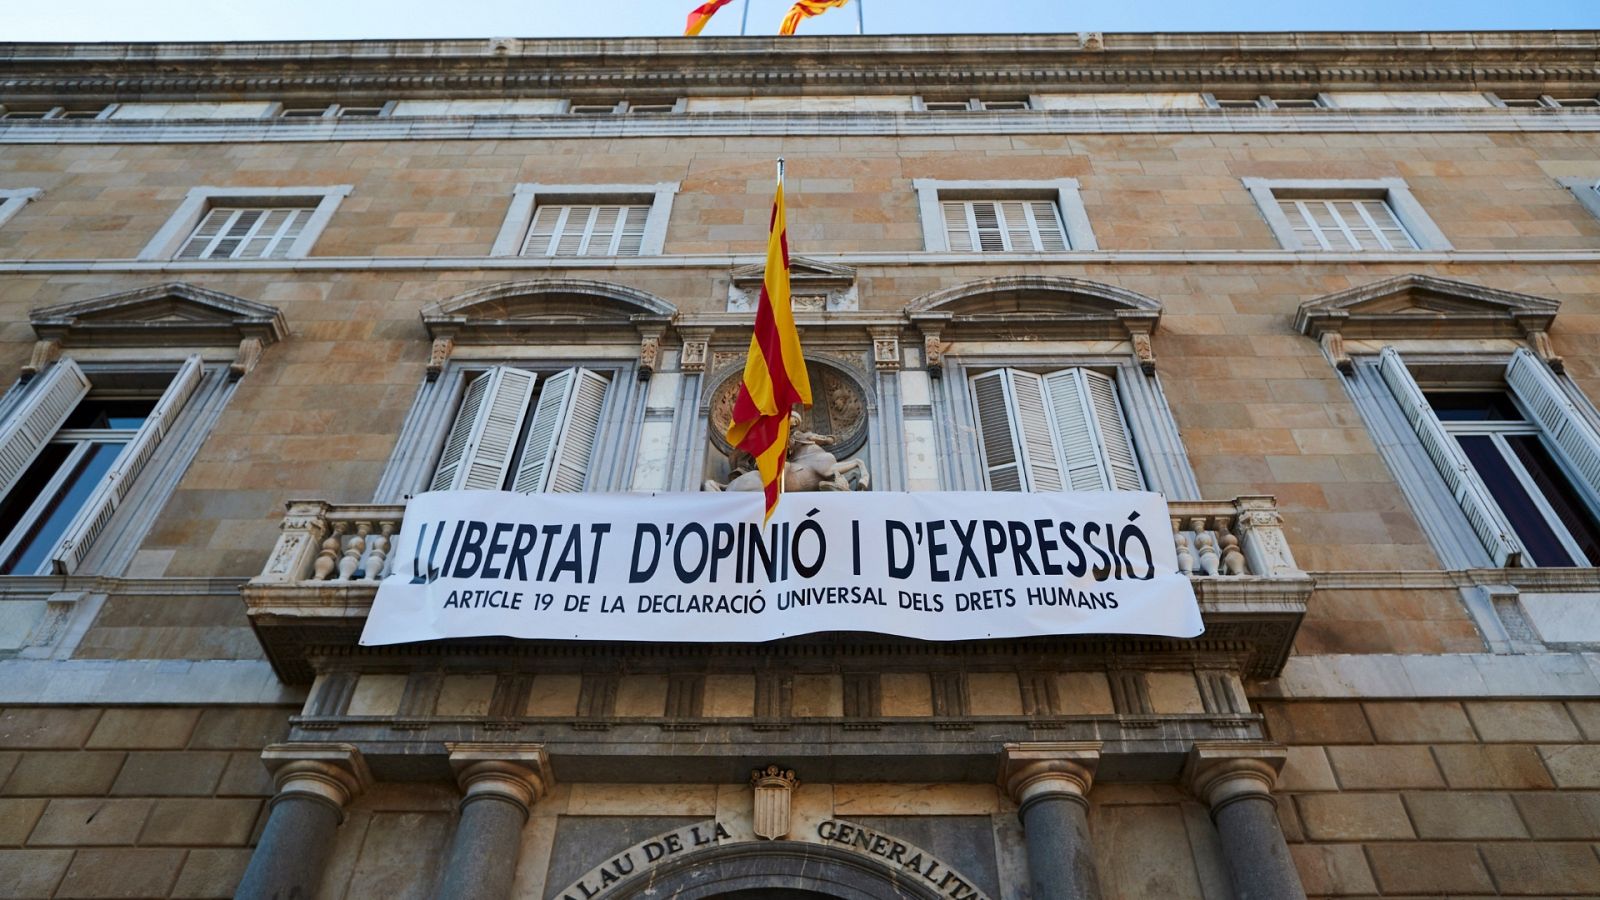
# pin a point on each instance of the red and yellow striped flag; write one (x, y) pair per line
(805, 9)
(774, 371)
(701, 15)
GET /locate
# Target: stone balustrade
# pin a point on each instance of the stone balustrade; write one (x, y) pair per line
(353, 543)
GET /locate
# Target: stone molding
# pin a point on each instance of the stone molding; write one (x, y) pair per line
(876, 64)
(1033, 771)
(1426, 307)
(514, 773)
(162, 315)
(1224, 772)
(334, 774)
(815, 286)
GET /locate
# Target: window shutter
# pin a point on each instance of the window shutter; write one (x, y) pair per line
(574, 231)
(1074, 424)
(1116, 445)
(630, 242)
(958, 235)
(545, 220)
(478, 451)
(24, 433)
(560, 442)
(1482, 513)
(1047, 228)
(986, 227)
(108, 494)
(1557, 415)
(1034, 430)
(575, 446)
(996, 437)
(1095, 445)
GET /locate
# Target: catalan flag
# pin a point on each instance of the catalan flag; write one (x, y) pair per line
(805, 9)
(774, 371)
(701, 15)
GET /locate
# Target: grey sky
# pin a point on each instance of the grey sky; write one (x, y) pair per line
(120, 20)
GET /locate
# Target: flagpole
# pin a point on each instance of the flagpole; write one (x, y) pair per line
(745, 19)
(861, 16)
(780, 170)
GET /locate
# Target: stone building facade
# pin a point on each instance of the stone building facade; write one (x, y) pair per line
(1342, 292)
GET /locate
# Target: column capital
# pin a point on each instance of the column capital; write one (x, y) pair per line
(516, 773)
(1220, 772)
(1035, 770)
(331, 773)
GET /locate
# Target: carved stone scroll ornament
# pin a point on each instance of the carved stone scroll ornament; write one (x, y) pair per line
(245, 360)
(45, 352)
(649, 352)
(773, 787)
(438, 355)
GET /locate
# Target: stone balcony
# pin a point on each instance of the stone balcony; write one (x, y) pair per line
(311, 600)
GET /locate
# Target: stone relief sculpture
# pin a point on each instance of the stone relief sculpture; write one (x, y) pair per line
(808, 467)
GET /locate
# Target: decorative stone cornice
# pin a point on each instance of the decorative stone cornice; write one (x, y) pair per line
(1222, 772)
(330, 773)
(515, 773)
(162, 315)
(1033, 771)
(1426, 307)
(349, 70)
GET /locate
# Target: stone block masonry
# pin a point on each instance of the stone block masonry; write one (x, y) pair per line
(131, 802)
(1408, 798)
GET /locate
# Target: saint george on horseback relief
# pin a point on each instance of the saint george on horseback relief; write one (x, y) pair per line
(809, 467)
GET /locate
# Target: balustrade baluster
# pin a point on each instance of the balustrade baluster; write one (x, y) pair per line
(353, 552)
(328, 559)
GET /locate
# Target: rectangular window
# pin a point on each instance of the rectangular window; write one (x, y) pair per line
(1003, 225)
(1059, 431)
(70, 454)
(1327, 224)
(1520, 460)
(1577, 102)
(519, 431)
(246, 232)
(586, 231)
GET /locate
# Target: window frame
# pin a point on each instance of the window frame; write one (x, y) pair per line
(323, 202)
(116, 542)
(1586, 190)
(1158, 449)
(12, 201)
(1437, 511)
(526, 197)
(433, 413)
(932, 193)
(1267, 194)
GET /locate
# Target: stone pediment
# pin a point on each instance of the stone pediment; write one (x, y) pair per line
(554, 310)
(162, 315)
(1412, 307)
(814, 286)
(1038, 307)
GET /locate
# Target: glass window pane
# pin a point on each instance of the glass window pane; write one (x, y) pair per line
(1558, 491)
(48, 528)
(27, 488)
(1473, 406)
(1526, 520)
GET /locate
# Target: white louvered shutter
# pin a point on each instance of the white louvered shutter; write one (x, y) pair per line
(997, 444)
(1483, 514)
(958, 234)
(1035, 434)
(1560, 419)
(1075, 431)
(560, 442)
(612, 230)
(109, 493)
(51, 398)
(1093, 437)
(575, 448)
(478, 451)
(1115, 442)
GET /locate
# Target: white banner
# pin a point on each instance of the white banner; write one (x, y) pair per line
(702, 567)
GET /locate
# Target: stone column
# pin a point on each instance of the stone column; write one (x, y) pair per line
(1050, 784)
(499, 783)
(315, 783)
(1235, 780)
